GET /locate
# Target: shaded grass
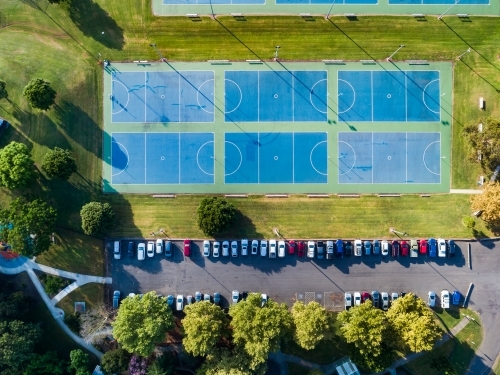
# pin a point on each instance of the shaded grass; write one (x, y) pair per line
(452, 316)
(91, 294)
(294, 369)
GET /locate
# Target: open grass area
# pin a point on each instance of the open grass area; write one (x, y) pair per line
(452, 316)
(91, 294)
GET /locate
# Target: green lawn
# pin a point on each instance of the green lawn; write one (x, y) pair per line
(452, 316)
(91, 294)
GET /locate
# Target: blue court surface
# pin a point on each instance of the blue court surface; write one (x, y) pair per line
(389, 96)
(337, 2)
(195, 2)
(274, 96)
(439, 2)
(395, 158)
(184, 96)
(162, 158)
(252, 158)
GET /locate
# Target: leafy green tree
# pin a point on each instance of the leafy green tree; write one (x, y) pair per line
(27, 226)
(73, 321)
(311, 322)
(260, 329)
(142, 322)
(3, 90)
(46, 364)
(215, 214)
(485, 144)
(203, 325)
(156, 369)
(14, 305)
(53, 284)
(59, 163)
(16, 166)
(79, 362)
(97, 218)
(412, 323)
(39, 94)
(224, 361)
(115, 361)
(17, 341)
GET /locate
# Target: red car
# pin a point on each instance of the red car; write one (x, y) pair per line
(301, 248)
(395, 249)
(187, 248)
(365, 296)
(423, 246)
(405, 249)
(291, 247)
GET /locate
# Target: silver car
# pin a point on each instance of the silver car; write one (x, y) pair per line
(281, 249)
(235, 297)
(206, 248)
(310, 249)
(244, 247)
(272, 248)
(358, 248)
(385, 301)
(385, 248)
(263, 248)
(225, 249)
(216, 249)
(179, 302)
(234, 249)
(255, 247)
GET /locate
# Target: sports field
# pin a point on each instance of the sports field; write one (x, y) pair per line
(277, 128)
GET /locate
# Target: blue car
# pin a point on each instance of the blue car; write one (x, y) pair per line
(456, 297)
(432, 247)
(340, 248)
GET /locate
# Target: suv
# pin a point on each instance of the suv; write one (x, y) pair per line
(117, 253)
(281, 249)
(225, 249)
(310, 249)
(451, 248)
(321, 249)
(244, 247)
(368, 248)
(206, 248)
(234, 249)
(168, 249)
(272, 248)
(358, 248)
(348, 248)
(329, 249)
(130, 249)
(141, 251)
(159, 246)
(395, 249)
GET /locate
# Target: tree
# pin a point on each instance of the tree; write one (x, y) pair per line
(412, 323)
(488, 203)
(115, 361)
(59, 163)
(3, 91)
(203, 325)
(39, 94)
(230, 362)
(46, 364)
(14, 305)
(97, 218)
(73, 321)
(28, 226)
(259, 330)
(16, 166)
(137, 366)
(485, 144)
(142, 322)
(215, 214)
(311, 322)
(79, 362)
(17, 341)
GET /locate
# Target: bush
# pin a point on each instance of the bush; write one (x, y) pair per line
(73, 322)
(115, 361)
(215, 214)
(59, 163)
(469, 222)
(137, 366)
(97, 218)
(53, 284)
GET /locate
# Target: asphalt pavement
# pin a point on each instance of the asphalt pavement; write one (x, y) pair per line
(292, 278)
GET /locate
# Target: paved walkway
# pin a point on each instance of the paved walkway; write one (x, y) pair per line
(22, 264)
(465, 191)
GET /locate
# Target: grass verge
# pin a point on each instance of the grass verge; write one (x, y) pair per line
(91, 294)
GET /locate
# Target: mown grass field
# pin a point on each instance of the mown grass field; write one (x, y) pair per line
(91, 294)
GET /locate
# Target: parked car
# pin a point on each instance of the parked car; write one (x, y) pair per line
(357, 298)
(272, 248)
(179, 304)
(187, 248)
(151, 249)
(189, 299)
(234, 249)
(4, 124)
(348, 248)
(451, 248)
(244, 247)
(206, 248)
(445, 299)
(347, 301)
(216, 249)
(301, 249)
(385, 301)
(422, 247)
(431, 299)
(116, 299)
(441, 248)
(263, 248)
(320, 249)
(394, 297)
(159, 246)
(206, 297)
(339, 245)
(255, 247)
(329, 249)
(365, 296)
(395, 249)
(141, 251)
(130, 249)
(385, 248)
(376, 247)
(263, 300)
(225, 248)
(368, 247)
(217, 298)
(168, 249)
(376, 298)
(405, 249)
(291, 247)
(456, 296)
(432, 248)
(197, 296)
(170, 301)
(413, 249)
(117, 253)
(310, 249)
(358, 248)
(281, 249)
(235, 296)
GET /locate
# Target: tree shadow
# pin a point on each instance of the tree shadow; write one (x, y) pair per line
(95, 22)
(243, 227)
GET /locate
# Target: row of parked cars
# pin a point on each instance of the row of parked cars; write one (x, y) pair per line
(382, 300)
(312, 249)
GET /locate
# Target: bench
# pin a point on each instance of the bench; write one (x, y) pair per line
(237, 14)
(350, 15)
(389, 195)
(348, 195)
(163, 195)
(417, 62)
(143, 61)
(318, 196)
(334, 62)
(481, 181)
(367, 61)
(481, 103)
(254, 61)
(418, 15)
(219, 62)
(236, 196)
(193, 15)
(276, 195)
(305, 14)
(462, 15)
(425, 195)
(480, 127)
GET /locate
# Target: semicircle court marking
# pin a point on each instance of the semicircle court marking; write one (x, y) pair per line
(128, 97)
(198, 95)
(311, 93)
(423, 158)
(311, 161)
(353, 97)
(423, 95)
(241, 97)
(241, 159)
(126, 153)
(353, 163)
(198, 156)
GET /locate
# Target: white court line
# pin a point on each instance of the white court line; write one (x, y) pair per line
(179, 89)
(372, 159)
(423, 157)
(310, 158)
(128, 96)
(198, 95)
(198, 157)
(354, 162)
(406, 95)
(371, 82)
(293, 97)
(423, 96)
(241, 157)
(241, 95)
(353, 99)
(179, 153)
(258, 96)
(406, 156)
(145, 94)
(312, 90)
(258, 157)
(293, 157)
(145, 160)
(128, 158)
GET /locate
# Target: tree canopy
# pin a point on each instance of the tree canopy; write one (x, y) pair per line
(489, 203)
(215, 214)
(142, 322)
(485, 144)
(28, 226)
(115, 361)
(79, 362)
(224, 361)
(204, 324)
(97, 218)
(259, 330)
(59, 163)
(16, 166)
(311, 322)
(39, 94)
(17, 341)
(3, 90)
(45, 364)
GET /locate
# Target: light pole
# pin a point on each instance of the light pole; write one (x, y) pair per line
(459, 57)
(447, 10)
(330, 10)
(276, 53)
(158, 51)
(396, 51)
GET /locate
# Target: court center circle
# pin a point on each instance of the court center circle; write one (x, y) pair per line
(162, 158)
(162, 96)
(388, 96)
(275, 96)
(275, 158)
(389, 158)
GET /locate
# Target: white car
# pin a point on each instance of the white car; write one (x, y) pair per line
(385, 248)
(272, 248)
(441, 248)
(206, 248)
(263, 248)
(244, 247)
(385, 300)
(117, 254)
(179, 302)
(151, 249)
(445, 299)
(225, 249)
(281, 249)
(216, 249)
(234, 249)
(235, 297)
(357, 299)
(141, 251)
(310, 249)
(394, 297)
(263, 299)
(431, 299)
(347, 301)
(358, 248)
(255, 247)
(159, 246)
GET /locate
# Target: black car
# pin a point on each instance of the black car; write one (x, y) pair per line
(321, 249)
(451, 249)
(339, 245)
(168, 249)
(130, 250)
(348, 248)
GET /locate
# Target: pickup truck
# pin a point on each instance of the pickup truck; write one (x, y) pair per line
(445, 299)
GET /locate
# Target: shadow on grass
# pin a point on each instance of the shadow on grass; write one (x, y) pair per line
(243, 227)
